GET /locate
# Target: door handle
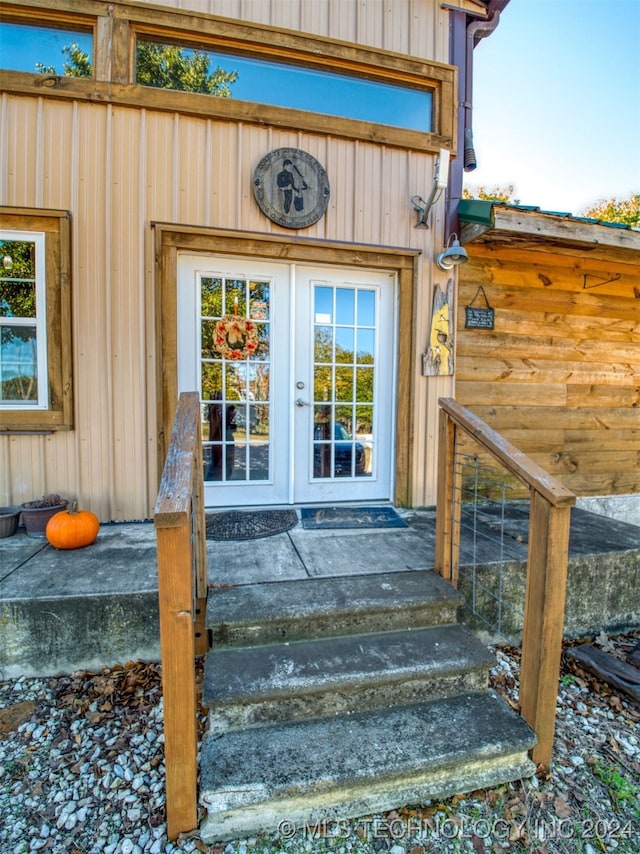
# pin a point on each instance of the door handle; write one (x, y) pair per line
(301, 402)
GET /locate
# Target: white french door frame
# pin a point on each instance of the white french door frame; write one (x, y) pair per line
(170, 241)
(291, 445)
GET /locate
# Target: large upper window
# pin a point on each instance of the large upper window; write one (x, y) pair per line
(49, 50)
(283, 85)
(35, 346)
(255, 73)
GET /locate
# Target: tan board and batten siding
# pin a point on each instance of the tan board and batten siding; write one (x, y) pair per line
(559, 375)
(120, 168)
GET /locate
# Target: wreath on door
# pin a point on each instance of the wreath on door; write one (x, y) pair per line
(236, 337)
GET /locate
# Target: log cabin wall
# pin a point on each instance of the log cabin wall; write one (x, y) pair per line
(559, 375)
(117, 165)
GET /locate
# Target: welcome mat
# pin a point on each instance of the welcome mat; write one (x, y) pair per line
(249, 524)
(351, 517)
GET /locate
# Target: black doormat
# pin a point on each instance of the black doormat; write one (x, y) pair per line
(351, 517)
(249, 524)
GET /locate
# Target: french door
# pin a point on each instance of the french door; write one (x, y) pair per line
(295, 370)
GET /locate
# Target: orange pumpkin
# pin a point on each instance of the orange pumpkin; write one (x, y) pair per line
(72, 528)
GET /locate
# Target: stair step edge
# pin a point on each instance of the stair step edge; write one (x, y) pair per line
(318, 607)
(270, 671)
(355, 764)
(314, 810)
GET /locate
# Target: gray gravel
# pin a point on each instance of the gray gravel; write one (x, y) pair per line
(83, 773)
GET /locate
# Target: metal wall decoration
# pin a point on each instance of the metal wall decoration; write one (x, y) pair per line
(479, 316)
(291, 188)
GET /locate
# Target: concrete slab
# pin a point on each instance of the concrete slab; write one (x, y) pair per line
(592, 534)
(122, 560)
(339, 553)
(254, 561)
(66, 610)
(80, 609)
(17, 550)
(253, 686)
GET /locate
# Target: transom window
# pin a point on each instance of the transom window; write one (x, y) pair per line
(276, 76)
(24, 47)
(295, 87)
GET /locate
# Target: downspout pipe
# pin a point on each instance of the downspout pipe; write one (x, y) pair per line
(476, 30)
(464, 34)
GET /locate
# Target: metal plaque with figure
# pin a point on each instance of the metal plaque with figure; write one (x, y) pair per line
(291, 188)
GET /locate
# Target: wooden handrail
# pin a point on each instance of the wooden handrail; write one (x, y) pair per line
(518, 463)
(179, 521)
(547, 558)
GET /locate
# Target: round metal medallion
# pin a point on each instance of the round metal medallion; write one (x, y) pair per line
(291, 187)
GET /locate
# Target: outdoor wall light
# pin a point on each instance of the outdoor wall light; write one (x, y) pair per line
(453, 255)
(440, 180)
(7, 262)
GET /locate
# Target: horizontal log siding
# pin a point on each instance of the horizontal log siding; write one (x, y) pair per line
(559, 376)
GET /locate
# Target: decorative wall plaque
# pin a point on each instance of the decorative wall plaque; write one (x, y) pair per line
(291, 187)
(479, 316)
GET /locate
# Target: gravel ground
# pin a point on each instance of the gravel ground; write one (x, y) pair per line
(81, 771)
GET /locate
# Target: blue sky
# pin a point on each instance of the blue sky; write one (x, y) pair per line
(556, 103)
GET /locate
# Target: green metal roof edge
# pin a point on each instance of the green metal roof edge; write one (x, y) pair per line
(480, 212)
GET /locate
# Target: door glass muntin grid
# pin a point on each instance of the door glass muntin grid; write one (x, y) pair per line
(344, 379)
(235, 380)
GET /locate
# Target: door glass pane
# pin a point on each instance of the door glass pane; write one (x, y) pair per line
(323, 344)
(365, 344)
(235, 378)
(344, 344)
(366, 308)
(323, 305)
(345, 305)
(343, 404)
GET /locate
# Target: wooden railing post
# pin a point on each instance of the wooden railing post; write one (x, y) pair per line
(545, 591)
(444, 498)
(182, 586)
(178, 677)
(543, 621)
(200, 548)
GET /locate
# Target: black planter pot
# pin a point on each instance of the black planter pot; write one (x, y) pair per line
(35, 518)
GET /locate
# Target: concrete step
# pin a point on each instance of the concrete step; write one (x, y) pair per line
(254, 686)
(354, 765)
(319, 607)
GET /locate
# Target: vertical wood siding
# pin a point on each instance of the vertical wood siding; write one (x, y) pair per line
(118, 169)
(413, 27)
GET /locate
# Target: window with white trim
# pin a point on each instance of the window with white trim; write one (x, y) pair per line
(35, 321)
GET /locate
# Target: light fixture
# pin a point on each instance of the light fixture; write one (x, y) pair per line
(440, 180)
(453, 254)
(7, 262)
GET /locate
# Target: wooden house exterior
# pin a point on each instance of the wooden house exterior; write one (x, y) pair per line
(148, 201)
(559, 372)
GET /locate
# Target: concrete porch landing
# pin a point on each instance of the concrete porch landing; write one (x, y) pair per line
(68, 610)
